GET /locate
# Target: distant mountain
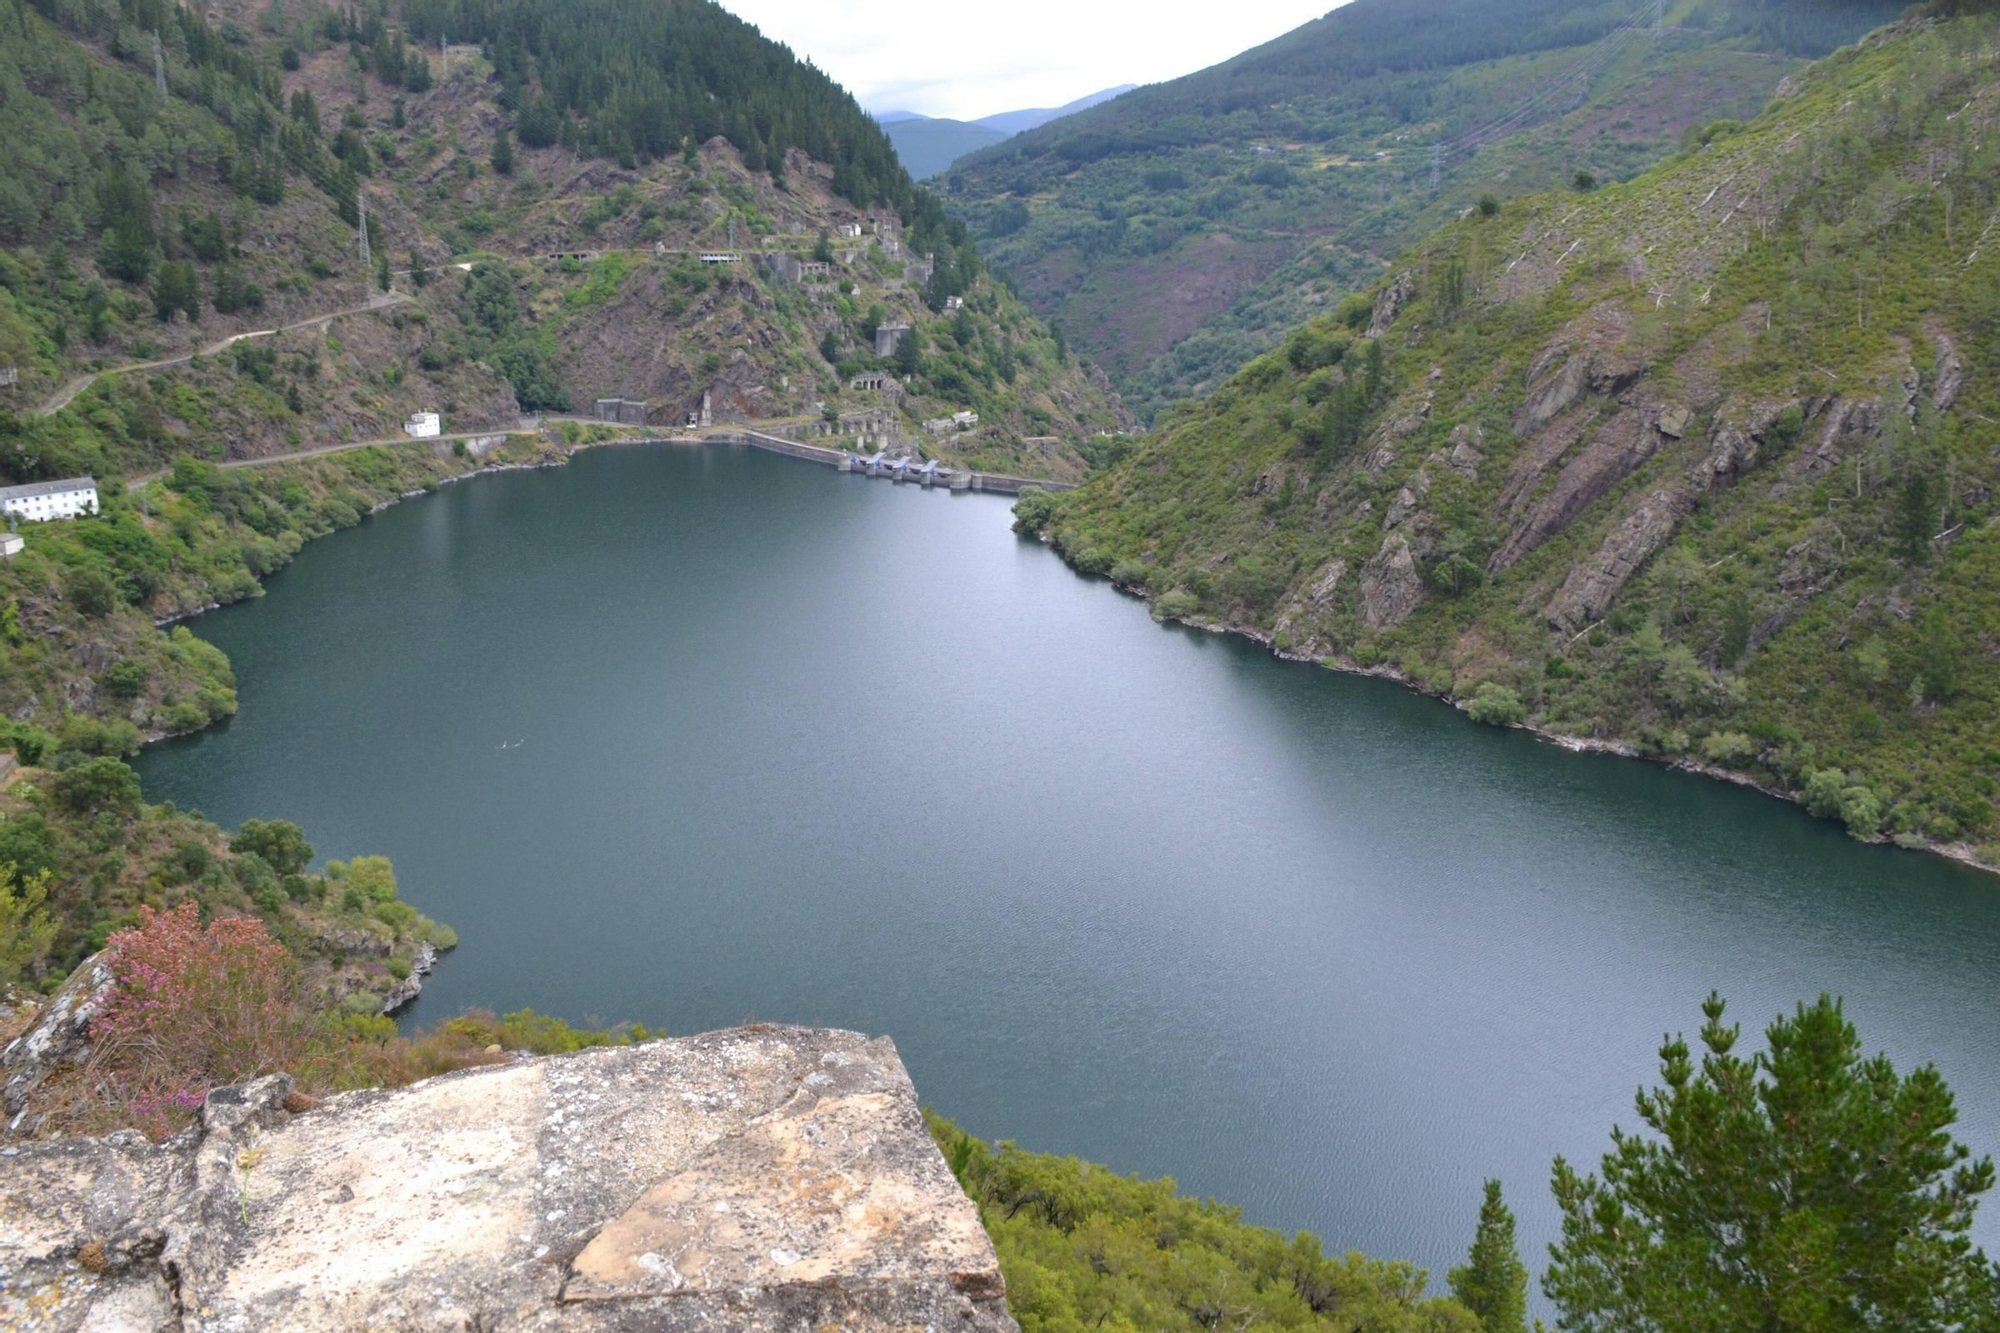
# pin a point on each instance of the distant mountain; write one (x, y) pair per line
(1181, 229)
(929, 144)
(1018, 122)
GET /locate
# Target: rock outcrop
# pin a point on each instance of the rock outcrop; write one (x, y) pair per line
(59, 1035)
(762, 1179)
(1390, 584)
(1390, 303)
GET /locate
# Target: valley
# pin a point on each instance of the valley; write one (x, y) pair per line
(1620, 377)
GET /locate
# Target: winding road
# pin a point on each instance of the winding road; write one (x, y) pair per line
(67, 394)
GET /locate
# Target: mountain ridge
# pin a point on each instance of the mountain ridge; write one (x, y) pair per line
(1628, 466)
(1178, 231)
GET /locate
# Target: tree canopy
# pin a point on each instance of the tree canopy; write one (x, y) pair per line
(1800, 1189)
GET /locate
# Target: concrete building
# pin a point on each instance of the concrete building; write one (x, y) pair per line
(720, 257)
(965, 418)
(954, 303)
(422, 425)
(623, 411)
(43, 500)
(887, 337)
(9, 377)
(10, 545)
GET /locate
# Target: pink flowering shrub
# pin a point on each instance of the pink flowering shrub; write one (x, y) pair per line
(194, 1007)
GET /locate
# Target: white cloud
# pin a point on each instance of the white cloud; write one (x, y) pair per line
(967, 61)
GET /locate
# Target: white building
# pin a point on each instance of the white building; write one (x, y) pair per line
(965, 418)
(43, 500)
(850, 230)
(422, 425)
(10, 545)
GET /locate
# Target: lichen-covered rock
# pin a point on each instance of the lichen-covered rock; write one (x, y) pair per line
(1390, 584)
(60, 1035)
(760, 1180)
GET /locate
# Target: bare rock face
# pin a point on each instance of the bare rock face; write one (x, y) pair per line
(1591, 584)
(1613, 454)
(1390, 303)
(1948, 381)
(1390, 584)
(1550, 393)
(758, 1180)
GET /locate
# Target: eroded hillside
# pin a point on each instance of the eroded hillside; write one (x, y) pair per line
(1700, 464)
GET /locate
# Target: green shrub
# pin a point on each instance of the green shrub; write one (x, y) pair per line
(1496, 705)
(1175, 604)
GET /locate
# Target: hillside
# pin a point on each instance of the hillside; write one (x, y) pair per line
(1183, 228)
(1700, 465)
(231, 208)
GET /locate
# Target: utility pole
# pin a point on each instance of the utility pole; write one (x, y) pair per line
(1437, 166)
(159, 66)
(361, 207)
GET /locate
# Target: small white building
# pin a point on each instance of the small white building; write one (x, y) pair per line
(10, 545)
(954, 303)
(851, 230)
(965, 419)
(422, 425)
(41, 501)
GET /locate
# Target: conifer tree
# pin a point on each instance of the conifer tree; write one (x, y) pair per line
(1799, 1189)
(1493, 1282)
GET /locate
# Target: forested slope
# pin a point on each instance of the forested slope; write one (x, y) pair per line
(1702, 464)
(1183, 228)
(140, 227)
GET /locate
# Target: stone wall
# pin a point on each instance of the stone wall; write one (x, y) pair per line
(761, 1179)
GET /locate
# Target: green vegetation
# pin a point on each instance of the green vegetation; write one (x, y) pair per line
(1799, 1189)
(1184, 228)
(1735, 511)
(1083, 1248)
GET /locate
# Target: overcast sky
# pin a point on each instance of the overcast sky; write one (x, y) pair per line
(966, 61)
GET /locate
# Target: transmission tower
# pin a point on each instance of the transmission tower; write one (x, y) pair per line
(159, 66)
(1437, 166)
(361, 206)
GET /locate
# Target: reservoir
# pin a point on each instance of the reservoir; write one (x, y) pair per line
(696, 736)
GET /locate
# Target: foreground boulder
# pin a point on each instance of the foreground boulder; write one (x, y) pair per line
(756, 1179)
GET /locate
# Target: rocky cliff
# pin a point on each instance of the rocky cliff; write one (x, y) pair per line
(757, 1179)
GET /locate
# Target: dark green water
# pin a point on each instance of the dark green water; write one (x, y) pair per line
(805, 747)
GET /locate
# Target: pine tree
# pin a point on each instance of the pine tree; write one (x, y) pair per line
(1798, 1189)
(1493, 1282)
(1916, 519)
(503, 152)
